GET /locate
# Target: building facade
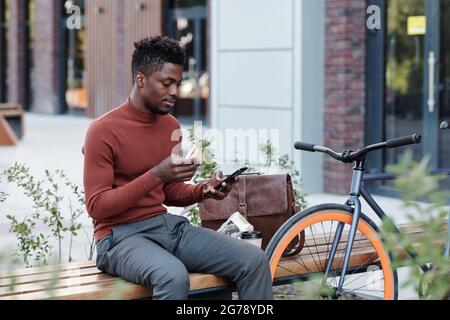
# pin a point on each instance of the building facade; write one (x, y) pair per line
(342, 73)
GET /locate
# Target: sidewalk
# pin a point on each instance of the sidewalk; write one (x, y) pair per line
(55, 142)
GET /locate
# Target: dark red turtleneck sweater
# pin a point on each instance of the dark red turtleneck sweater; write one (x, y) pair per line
(120, 149)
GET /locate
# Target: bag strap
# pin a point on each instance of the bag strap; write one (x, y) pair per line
(242, 205)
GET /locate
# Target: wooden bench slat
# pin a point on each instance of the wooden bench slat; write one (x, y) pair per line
(109, 285)
(92, 292)
(45, 269)
(198, 281)
(49, 276)
(62, 283)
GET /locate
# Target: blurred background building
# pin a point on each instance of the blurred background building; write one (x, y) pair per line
(311, 68)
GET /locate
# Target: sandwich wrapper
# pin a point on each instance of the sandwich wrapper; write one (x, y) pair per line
(235, 225)
(196, 154)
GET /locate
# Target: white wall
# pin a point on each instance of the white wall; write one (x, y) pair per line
(312, 103)
(267, 73)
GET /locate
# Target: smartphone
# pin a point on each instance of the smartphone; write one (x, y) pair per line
(230, 178)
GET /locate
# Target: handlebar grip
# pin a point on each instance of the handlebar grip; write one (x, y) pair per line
(304, 146)
(404, 141)
(445, 125)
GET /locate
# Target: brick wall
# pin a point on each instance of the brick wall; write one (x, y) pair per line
(46, 80)
(3, 54)
(344, 86)
(17, 73)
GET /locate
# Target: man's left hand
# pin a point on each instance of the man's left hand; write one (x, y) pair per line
(215, 180)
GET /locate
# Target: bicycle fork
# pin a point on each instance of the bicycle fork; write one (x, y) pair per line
(354, 202)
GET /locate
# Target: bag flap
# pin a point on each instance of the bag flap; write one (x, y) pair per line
(264, 195)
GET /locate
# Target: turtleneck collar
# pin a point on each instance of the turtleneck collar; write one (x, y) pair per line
(139, 115)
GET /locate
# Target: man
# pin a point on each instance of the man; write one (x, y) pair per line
(131, 170)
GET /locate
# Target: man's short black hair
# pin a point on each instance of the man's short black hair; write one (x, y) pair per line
(152, 53)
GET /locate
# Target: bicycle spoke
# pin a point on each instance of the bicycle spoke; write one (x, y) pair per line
(364, 264)
(364, 286)
(317, 249)
(359, 277)
(280, 266)
(326, 240)
(312, 256)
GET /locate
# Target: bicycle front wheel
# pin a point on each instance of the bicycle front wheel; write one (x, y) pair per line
(370, 274)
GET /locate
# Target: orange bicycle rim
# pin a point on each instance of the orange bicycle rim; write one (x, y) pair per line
(344, 217)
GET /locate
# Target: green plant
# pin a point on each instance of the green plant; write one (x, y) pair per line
(205, 171)
(31, 246)
(3, 195)
(311, 289)
(288, 166)
(76, 213)
(47, 197)
(416, 183)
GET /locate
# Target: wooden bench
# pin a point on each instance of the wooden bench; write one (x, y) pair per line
(85, 281)
(11, 123)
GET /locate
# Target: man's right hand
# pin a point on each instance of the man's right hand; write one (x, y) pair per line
(174, 169)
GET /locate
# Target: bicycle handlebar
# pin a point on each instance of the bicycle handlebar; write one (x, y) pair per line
(404, 141)
(304, 146)
(350, 156)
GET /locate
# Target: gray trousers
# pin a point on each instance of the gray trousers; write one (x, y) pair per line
(159, 252)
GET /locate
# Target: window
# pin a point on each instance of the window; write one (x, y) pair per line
(187, 22)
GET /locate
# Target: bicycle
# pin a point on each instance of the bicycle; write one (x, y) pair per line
(334, 233)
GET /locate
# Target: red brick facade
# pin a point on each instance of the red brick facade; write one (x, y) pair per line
(17, 73)
(344, 86)
(46, 80)
(43, 69)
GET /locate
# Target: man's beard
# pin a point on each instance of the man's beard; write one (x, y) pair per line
(154, 109)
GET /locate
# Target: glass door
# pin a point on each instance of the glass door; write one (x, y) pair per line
(417, 77)
(187, 22)
(444, 84)
(75, 92)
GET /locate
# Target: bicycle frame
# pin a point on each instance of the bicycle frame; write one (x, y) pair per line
(356, 191)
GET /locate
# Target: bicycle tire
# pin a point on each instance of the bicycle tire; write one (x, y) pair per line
(371, 248)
